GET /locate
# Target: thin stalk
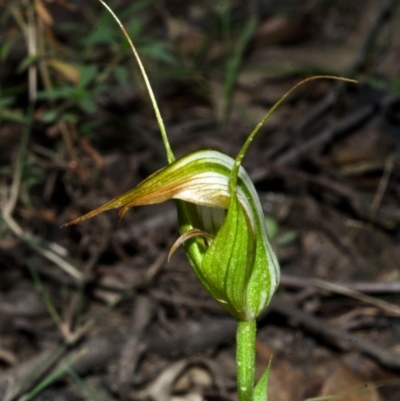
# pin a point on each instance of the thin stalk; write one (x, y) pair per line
(233, 66)
(245, 359)
(56, 374)
(21, 159)
(170, 155)
(243, 150)
(226, 28)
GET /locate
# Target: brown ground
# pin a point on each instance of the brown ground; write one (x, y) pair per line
(94, 311)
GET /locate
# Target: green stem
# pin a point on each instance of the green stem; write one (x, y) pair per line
(245, 359)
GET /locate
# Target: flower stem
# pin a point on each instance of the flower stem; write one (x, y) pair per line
(245, 359)
(168, 150)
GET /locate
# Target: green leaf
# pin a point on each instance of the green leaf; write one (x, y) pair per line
(134, 28)
(89, 128)
(6, 102)
(261, 389)
(70, 117)
(158, 51)
(272, 226)
(88, 105)
(27, 62)
(13, 115)
(87, 75)
(287, 238)
(233, 65)
(49, 116)
(127, 12)
(63, 92)
(103, 34)
(121, 74)
(7, 46)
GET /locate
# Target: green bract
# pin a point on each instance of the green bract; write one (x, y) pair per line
(222, 227)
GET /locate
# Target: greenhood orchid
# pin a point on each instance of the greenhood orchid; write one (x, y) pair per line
(220, 220)
(222, 229)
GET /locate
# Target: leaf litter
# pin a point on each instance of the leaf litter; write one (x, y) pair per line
(327, 170)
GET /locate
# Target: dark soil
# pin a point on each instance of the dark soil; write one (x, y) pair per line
(94, 311)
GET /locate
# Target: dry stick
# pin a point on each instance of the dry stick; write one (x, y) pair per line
(162, 386)
(331, 98)
(347, 123)
(342, 126)
(357, 203)
(153, 223)
(50, 250)
(134, 346)
(391, 309)
(44, 248)
(30, 39)
(183, 301)
(392, 287)
(330, 133)
(21, 378)
(382, 15)
(74, 336)
(205, 334)
(70, 334)
(338, 337)
(101, 349)
(48, 85)
(189, 337)
(382, 186)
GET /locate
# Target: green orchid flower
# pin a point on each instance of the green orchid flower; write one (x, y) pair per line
(222, 229)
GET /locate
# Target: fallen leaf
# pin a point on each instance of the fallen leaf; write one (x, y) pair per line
(43, 13)
(67, 70)
(344, 385)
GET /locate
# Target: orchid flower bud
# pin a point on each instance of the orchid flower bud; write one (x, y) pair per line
(221, 224)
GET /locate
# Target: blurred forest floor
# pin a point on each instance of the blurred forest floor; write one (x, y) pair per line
(94, 311)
